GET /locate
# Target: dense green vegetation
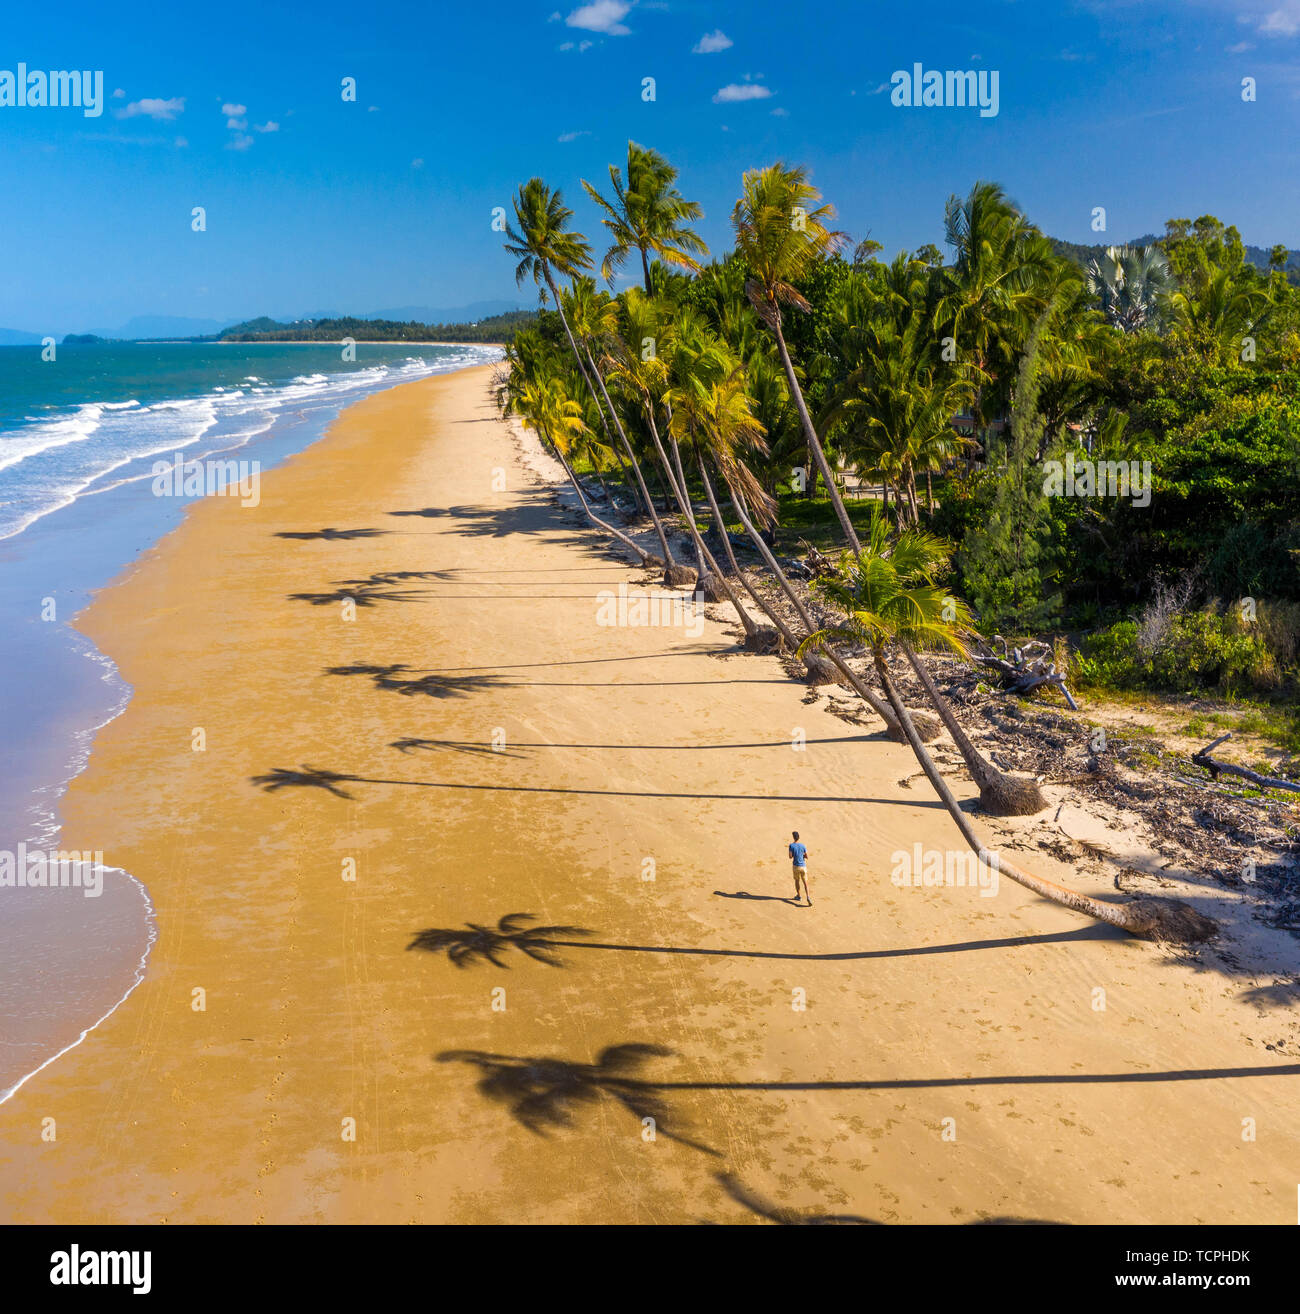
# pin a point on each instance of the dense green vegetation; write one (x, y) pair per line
(1094, 431)
(495, 328)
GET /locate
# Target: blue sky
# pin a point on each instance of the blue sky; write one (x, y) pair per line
(314, 203)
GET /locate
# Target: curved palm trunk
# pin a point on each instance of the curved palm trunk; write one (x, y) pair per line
(636, 468)
(850, 676)
(1137, 917)
(788, 635)
(687, 509)
(1002, 795)
(582, 369)
(590, 514)
(815, 448)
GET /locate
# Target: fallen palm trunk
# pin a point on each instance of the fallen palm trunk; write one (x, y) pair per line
(1215, 766)
(1152, 919)
(1022, 673)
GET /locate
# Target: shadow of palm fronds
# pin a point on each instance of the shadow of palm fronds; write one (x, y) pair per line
(306, 777)
(429, 686)
(385, 577)
(332, 534)
(475, 943)
(363, 596)
(544, 1094)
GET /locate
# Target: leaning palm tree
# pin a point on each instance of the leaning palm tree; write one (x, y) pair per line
(594, 320)
(715, 415)
(648, 215)
(545, 246)
(543, 405)
(889, 596)
(780, 234)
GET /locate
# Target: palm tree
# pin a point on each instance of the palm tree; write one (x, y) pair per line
(1133, 284)
(648, 215)
(780, 233)
(545, 246)
(1218, 316)
(889, 596)
(644, 375)
(543, 404)
(899, 395)
(715, 415)
(992, 293)
(594, 320)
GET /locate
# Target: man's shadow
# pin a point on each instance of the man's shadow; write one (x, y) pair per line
(745, 894)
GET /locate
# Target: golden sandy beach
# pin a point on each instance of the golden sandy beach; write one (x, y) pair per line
(903, 1055)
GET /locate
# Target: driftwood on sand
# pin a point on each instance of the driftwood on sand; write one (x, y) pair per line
(1215, 766)
(1023, 670)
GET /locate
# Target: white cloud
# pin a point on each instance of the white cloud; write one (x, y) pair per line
(241, 142)
(119, 94)
(1240, 48)
(232, 111)
(1282, 22)
(883, 87)
(780, 113)
(153, 108)
(417, 163)
(601, 16)
(269, 126)
(182, 142)
(372, 109)
(238, 124)
(711, 42)
(573, 136)
(737, 91)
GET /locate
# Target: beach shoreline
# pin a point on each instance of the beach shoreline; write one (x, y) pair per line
(304, 792)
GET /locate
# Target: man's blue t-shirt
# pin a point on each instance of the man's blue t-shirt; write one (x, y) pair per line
(799, 854)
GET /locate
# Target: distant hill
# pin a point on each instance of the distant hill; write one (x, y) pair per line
(493, 328)
(158, 326)
(153, 327)
(18, 338)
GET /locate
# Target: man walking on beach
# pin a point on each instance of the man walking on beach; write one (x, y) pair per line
(799, 857)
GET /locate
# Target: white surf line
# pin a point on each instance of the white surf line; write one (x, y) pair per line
(152, 922)
(84, 741)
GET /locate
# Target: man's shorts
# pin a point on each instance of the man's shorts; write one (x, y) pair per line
(800, 871)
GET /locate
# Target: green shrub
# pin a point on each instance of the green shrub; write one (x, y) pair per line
(1109, 658)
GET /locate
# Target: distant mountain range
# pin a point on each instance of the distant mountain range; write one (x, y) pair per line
(178, 326)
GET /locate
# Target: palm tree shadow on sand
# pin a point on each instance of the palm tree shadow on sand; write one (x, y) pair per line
(306, 777)
(397, 678)
(475, 943)
(331, 534)
(363, 596)
(472, 944)
(763, 1208)
(545, 1094)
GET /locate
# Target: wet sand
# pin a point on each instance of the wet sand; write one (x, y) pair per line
(904, 1055)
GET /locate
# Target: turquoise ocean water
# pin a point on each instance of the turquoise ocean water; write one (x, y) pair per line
(79, 437)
